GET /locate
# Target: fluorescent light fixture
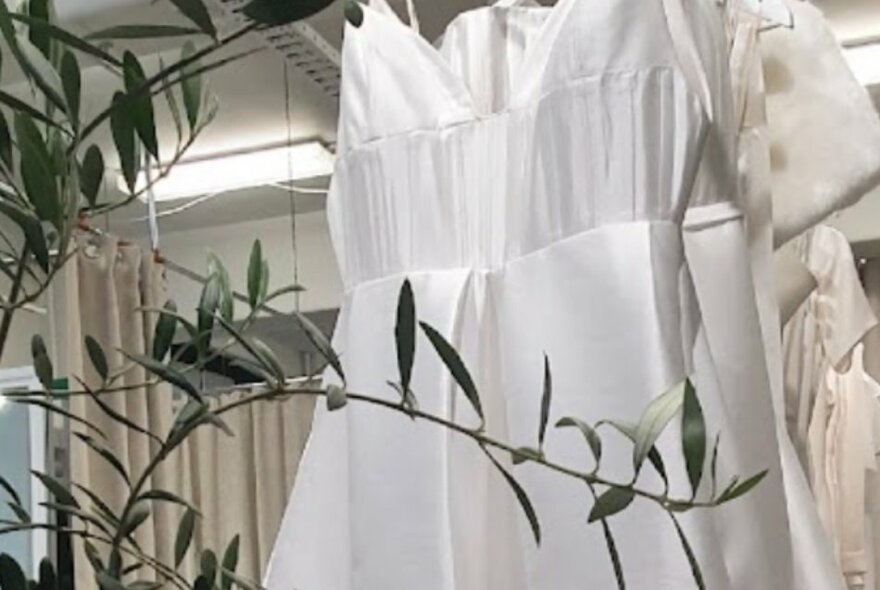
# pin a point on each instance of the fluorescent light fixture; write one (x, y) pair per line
(228, 172)
(865, 62)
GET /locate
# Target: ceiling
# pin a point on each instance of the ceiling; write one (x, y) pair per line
(251, 94)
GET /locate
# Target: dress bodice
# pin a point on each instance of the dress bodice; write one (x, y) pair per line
(525, 126)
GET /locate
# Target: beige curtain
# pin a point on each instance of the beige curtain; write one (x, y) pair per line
(239, 484)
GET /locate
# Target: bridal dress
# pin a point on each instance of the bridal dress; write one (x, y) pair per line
(556, 180)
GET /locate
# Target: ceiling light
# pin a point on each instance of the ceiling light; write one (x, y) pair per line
(865, 62)
(260, 167)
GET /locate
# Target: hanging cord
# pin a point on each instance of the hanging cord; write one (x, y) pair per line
(291, 191)
(152, 218)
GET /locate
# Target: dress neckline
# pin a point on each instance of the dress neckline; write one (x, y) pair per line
(540, 47)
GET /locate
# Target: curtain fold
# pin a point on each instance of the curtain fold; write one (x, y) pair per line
(240, 484)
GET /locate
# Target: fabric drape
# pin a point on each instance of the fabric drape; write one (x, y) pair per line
(239, 484)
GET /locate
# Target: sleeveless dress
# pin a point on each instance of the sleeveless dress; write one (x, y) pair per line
(556, 180)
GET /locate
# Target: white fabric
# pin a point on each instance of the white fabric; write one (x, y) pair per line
(824, 130)
(842, 446)
(824, 330)
(549, 180)
(814, 564)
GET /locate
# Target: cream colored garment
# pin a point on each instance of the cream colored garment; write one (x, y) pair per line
(814, 564)
(824, 330)
(842, 445)
(240, 484)
(871, 280)
(824, 131)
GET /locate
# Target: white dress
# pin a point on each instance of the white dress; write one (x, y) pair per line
(555, 180)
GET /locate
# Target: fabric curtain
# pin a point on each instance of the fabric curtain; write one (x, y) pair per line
(240, 484)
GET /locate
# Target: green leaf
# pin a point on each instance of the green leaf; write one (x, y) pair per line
(202, 583)
(264, 285)
(20, 106)
(140, 103)
(738, 489)
(54, 409)
(41, 71)
(165, 373)
(354, 13)
(105, 454)
(119, 417)
(39, 12)
(78, 513)
(20, 512)
(197, 12)
(209, 301)
(614, 500)
(453, 362)
(521, 496)
(337, 398)
(11, 575)
(225, 301)
(106, 581)
(5, 143)
(94, 556)
(7, 487)
(405, 334)
(654, 457)
(91, 175)
(590, 435)
(48, 579)
(65, 37)
(714, 464)
(208, 566)
(255, 274)
(320, 342)
(611, 545)
(141, 32)
(42, 363)
(653, 422)
(98, 358)
(37, 169)
(111, 517)
(693, 436)
(165, 496)
(184, 536)
(546, 399)
(163, 336)
(523, 454)
(281, 12)
(34, 236)
(122, 127)
(230, 562)
(71, 80)
(61, 493)
(191, 87)
(267, 356)
(691, 557)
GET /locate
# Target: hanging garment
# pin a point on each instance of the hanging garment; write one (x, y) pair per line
(551, 179)
(814, 563)
(824, 330)
(824, 129)
(842, 448)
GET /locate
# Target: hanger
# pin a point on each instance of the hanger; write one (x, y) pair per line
(774, 13)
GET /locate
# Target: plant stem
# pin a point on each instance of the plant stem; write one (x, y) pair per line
(15, 291)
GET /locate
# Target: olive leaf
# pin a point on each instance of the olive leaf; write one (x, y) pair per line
(39, 12)
(65, 37)
(454, 364)
(48, 580)
(191, 87)
(61, 493)
(11, 575)
(737, 489)
(337, 398)
(405, 334)
(197, 12)
(55, 409)
(7, 487)
(320, 342)
(91, 175)
(611, 502)
(693, 436)
(184, 536)
(105, 454)
(208, 565)
(6, 143)
(589, 433)
(521, 496)
(122, 126)
(524, 454)
(165, 496)
(691, 557)
(71, 81)
(255, 274)
(546, 400)
(140, 103)
(35, 238)
(165, 373)
(20, 512)
(353, 13)
(163, 335)
(42, 362)
(141, 32)
(654, 457)
(230, 562)
(281, 12)
(98, 358)
(714, 464)
(37, 169)
(653, 422)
